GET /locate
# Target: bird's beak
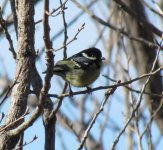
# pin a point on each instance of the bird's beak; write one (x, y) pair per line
(102, 58)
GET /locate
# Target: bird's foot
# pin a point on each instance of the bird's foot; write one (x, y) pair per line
(70, 91)
(89, 89)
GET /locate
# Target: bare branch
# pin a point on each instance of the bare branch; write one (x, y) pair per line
(27, 143)
(65, 30)
(136, 105)
(106, 87)
(10, 88)
(4, 27)
(151, 27)
(53, 11)
(49, 125)
(153, 10)
(14, 122)
(61, 6)
(2, 116)
(107, 94)
(53, 113)
(73, 39)
(119, 30)
(157, 6)
(136, 91)
(151, 118)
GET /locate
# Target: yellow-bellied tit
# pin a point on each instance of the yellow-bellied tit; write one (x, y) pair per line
(81, 69)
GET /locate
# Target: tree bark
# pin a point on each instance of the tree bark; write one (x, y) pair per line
(24, 62)
(49, 124)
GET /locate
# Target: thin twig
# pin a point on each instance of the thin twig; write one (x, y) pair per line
(74, 38)
(119, 30)
(3, 5)
(137, 104)
(10, 88)
(107, 94)
(69, 24)
(139, 19)
(61, 6)
(151, 9)
(54, 111)
(2, 116)
(7, 92)
(152, 117)
(53, 11)
(4, 27)
(158, 7)
(136, 91)
(27, 143)
(15, 121)
(65, 30)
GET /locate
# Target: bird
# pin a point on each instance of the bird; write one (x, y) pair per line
(81, 69)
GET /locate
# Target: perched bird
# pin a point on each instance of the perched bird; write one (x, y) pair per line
(81, 69)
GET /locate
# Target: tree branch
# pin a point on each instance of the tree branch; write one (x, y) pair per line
(4, 27)
(110, 86)
(119, 30)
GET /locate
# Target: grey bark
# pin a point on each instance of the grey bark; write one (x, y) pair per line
(24, 64)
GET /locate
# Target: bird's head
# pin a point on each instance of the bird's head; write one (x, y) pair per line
(93, 54)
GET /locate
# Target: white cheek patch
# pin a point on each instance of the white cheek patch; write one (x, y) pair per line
(86, 56)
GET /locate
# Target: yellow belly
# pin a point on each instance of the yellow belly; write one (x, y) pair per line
(77, 76)
(82, 78)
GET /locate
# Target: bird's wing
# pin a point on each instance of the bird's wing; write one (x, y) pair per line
(82, 62)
